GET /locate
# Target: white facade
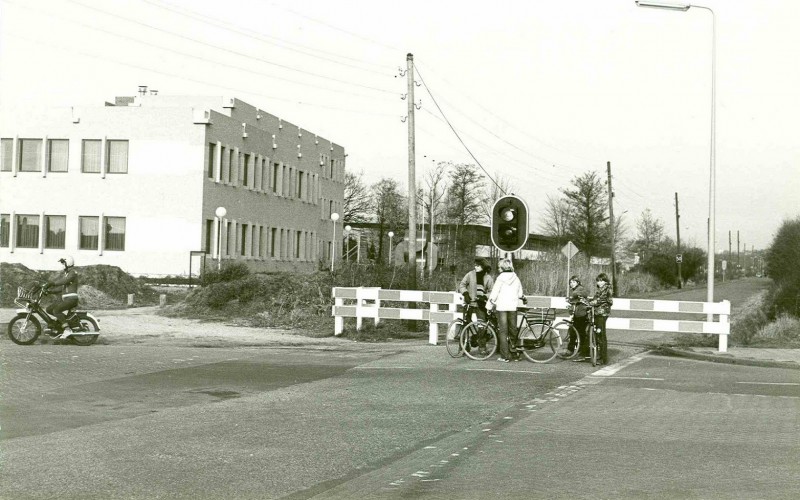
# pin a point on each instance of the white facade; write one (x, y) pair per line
(151, 171)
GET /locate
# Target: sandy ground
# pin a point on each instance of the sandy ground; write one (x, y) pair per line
(141, 325)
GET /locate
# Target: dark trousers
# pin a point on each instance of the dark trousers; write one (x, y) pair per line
(506, 331)
(58, 307)
(602, 340)
(580, 324)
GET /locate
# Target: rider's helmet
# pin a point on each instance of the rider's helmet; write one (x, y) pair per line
(67, 260)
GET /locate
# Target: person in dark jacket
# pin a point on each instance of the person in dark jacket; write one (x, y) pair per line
(575, 297)
(476, 285)
(602, 302)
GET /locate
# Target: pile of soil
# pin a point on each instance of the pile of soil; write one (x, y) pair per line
(102, 287)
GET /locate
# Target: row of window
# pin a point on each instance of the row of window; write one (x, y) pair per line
(50, 231)
(52, 155)
(251, 240)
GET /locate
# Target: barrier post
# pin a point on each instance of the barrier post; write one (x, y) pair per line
(338, 321)
(723, 338)
(433, 327)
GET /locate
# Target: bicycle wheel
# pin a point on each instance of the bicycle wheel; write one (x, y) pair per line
(539, 342)
(453, 338)
(24, 330)
(569, 334)
(479, 340)
(592, 345)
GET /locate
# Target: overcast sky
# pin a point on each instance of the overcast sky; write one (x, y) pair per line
(539, 92)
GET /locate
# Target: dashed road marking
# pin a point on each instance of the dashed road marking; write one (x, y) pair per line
(769, 383)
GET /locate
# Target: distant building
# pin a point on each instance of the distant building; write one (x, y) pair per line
(136, 184)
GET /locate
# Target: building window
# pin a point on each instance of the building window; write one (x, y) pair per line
(245, 170)
(5, 227)
(30, 155)
(212, 155)
(298, 236)
(115, 234)
(55, 227)
(27, 231)
(275, 169)
(89, 233)
(300, 184)
(90, 156)
(6, 154)
(272, 241)
(57, 155)
(117, 157)
(232, 167)
(243, 241)
(209, 233)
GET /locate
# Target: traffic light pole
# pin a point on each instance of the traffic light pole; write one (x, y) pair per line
(412, 182)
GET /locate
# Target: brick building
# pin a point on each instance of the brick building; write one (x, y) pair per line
(136, 184)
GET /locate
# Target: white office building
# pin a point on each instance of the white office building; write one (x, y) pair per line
(136, 184)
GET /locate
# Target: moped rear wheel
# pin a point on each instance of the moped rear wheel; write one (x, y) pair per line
(85, 337)
(24, 330)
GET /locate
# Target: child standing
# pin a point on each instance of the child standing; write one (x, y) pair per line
(602, 301)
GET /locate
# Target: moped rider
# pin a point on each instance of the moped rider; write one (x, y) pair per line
(69, 295)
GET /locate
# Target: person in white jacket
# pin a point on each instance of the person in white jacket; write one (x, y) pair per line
(504, 298)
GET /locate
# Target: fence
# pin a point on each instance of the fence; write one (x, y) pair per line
(442, 307)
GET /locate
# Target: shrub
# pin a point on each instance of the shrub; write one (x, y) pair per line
(749, 320)
(782, 265)
(230, 271)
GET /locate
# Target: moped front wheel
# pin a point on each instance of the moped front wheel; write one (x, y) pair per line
(86, 336)
(24, 329)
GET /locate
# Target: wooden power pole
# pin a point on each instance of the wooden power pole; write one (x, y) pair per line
(412, 182)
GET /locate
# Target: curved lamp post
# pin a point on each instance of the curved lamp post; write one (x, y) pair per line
(220, 212)
(391, 235)
(334, 218)
(712, 188)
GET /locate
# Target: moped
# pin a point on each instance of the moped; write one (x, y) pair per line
(26, 326)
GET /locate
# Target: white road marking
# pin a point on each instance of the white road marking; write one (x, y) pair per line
(607, 371)
(769, 383)
(628, 378)
(497, 370)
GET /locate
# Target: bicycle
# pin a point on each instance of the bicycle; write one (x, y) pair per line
(454, 330)
(591, 329)
(538, 340)
(570, 336)
(479, 338)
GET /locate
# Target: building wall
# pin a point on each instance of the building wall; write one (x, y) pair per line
(174, 183)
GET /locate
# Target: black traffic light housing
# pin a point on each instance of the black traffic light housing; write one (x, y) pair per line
(509, 223)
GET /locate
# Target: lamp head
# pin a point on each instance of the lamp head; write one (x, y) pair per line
(334, 216)
(663, 5)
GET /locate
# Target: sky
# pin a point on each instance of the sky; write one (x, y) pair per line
(535, 93)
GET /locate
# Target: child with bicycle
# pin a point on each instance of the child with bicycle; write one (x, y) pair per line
(475, 286)
(602, 302)
(505, 296)
(575, 297)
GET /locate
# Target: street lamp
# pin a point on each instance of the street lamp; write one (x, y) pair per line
(712, 175)
(391, 235)
(220, 212)
(334, 218)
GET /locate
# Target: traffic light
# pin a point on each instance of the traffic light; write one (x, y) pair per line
(509, 223)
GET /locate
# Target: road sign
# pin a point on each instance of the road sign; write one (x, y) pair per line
(569, 250)
(679, 258)
(724, 265)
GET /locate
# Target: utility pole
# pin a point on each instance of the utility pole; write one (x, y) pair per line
(730, 255)
(613, 231)
(678, 240)
(737, 248)
(412, 182)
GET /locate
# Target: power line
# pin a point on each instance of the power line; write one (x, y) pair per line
(456, 133)
(231, 51)
(269, 39)
(203, 82)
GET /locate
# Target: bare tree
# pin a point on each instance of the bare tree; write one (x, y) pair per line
(356, 198)
(493, 192)
(463, 194)
(650, 235)
(588, 224)
(389, 208)
(557, 214)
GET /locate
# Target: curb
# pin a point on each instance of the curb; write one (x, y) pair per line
(724, 358)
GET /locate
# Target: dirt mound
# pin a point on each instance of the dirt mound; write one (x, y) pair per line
(102, 287)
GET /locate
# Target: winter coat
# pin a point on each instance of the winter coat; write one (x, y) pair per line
(602, 301)
(506, 292)
(574, 297)
(469, 284)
